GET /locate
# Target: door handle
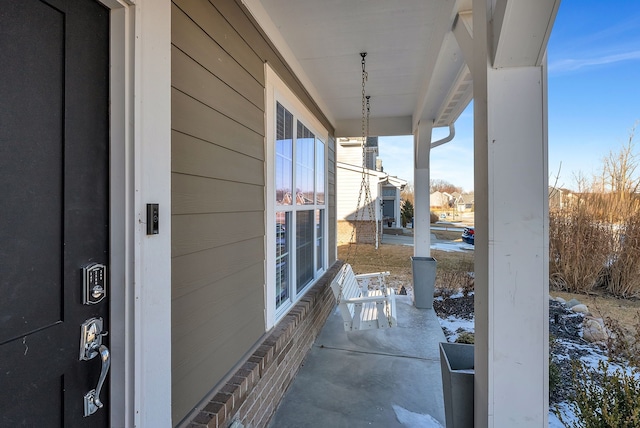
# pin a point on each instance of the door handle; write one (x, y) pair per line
(92, 398)
(91, 346)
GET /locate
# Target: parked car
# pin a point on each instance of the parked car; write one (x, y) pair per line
(469, 235)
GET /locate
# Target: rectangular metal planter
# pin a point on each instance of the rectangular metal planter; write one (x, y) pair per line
(424, 281)
(457, 366)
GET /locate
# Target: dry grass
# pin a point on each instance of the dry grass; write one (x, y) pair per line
(588, 252)
(603, 306)
(451, 271)
(448, 235)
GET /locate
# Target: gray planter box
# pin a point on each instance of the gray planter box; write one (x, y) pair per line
(424, 281)
(456, 363)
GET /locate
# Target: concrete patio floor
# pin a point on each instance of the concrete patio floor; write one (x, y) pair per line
(374, 378)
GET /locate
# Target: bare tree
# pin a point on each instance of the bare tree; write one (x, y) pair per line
(407, 194)
(617, 185)
(439, 185)
(619, 170)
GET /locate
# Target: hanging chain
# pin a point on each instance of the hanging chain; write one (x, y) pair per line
(368, 200)
(358, 215)
(364, 186)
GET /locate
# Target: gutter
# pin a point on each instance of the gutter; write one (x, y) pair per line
(452, 133)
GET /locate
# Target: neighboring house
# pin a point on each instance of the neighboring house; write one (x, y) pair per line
(168, 186)
(465, 202)
(384, 189)
(440, 200)
(560, 198)
(392, 188)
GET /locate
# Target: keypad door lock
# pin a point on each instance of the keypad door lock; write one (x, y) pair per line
(94, 283)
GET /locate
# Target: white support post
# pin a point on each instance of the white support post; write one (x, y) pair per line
(511, 246)
(421, 178)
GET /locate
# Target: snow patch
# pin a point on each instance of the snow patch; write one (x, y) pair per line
(450, 247)
(567, 416)
(411, 419)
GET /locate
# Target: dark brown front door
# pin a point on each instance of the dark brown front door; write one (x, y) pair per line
(54, 193)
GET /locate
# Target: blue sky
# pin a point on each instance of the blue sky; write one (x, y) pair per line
(594, 97)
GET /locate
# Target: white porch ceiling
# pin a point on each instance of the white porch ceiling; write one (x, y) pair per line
(415, 67)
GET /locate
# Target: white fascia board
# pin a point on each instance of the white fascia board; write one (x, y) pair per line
(520, 31)
(355, 168)
(397, 182)
(381, 176)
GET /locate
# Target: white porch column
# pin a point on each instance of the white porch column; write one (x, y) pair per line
(421, 178)
(511, 247)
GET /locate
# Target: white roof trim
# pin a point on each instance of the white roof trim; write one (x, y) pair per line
(382, 176)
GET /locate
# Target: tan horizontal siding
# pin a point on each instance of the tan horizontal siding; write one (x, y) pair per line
(207, 306)
(198, 45)
(191, 78)
(198, 195)
(207, 17)
(191, 117)
(205, 268)
(206, 353)
(197, 157)
(198, 232)
(218, 156)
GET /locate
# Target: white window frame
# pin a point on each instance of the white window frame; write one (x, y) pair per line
(276, 91)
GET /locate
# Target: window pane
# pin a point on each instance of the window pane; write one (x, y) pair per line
(319, 239)
(388, 191)
(284, 156)
(304, 249)
(304, 166)
(320, 172)
(283, 243)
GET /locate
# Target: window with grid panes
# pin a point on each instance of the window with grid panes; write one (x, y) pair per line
(299, 180)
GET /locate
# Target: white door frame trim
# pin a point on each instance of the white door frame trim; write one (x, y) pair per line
(140, 162)
(120, 191)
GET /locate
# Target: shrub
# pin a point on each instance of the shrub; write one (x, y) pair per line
(604, 397)
(623, 345)
(623, 274)
(406, 212)
(579, 248)
(466, 337)
(587, 250)
(450, 282)
(469, 285)
(594, 235)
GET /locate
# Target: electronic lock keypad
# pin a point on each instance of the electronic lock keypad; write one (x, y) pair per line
(94, 283)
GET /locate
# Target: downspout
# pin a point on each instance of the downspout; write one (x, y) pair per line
(378, 211)
(452, 133)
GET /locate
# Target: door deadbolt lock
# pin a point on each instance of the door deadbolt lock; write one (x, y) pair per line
(94, 278)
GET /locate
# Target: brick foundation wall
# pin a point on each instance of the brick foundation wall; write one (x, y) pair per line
(252, 395)
(365, 231)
